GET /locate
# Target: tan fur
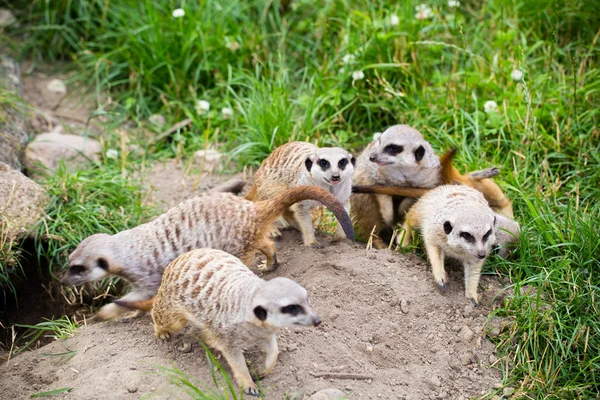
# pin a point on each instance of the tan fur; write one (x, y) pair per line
(298, 163)
(218, 220)
(232, 308)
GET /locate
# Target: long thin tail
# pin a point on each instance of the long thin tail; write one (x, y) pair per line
(391, 190)
(144, 305)
(269, 210)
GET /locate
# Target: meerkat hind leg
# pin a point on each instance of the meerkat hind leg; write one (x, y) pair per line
(167, 322)
(485, 173)
(386, 208)
(267, 247)
(113, 310)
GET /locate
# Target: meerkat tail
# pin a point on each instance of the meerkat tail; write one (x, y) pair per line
(390, 190)
(144, 305)
(449, 172)
(269, 210)
(233, 185)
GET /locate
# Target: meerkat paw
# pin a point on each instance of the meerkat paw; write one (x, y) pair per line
(485, 174)
(251, 389)
(162, 334)
(265, 267)
(316, 245)
(442, 280)
(110, 311)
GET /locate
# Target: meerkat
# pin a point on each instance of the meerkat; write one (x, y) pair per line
(455, 221)
(233, 308)
(508, 229)
(399, 156)
(217, 220)
(302, 163)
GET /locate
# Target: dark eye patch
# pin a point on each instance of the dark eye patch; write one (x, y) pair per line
(467, 236)
(343, 162)
(293, 309)
(324, 164)
(487, 235)
(76, 269)
(393, 149)
(102, 263)
(419, 153)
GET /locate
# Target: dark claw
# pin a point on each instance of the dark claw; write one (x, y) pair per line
(253, 392)
(475, 303)
(443, 287)
(317, 246)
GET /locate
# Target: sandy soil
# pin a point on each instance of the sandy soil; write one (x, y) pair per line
(382, 318)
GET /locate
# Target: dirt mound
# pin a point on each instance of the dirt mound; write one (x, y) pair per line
(382, 319)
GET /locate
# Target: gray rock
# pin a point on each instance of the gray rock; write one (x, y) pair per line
(433, 382)
(22, 202)
(132, 387)
(328, 394)
(404, 306)
(13, 134)
(49, 149)
(465, 359)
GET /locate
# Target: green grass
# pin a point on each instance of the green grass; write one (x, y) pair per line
(61, 328)
(286, 71)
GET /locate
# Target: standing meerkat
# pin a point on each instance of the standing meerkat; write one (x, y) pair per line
(301, 163)
(400, 156)
(455, 221)
(218, 220)
(233, 308)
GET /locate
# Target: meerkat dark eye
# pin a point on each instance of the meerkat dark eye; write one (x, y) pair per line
(467, 236)
(393, 149)
(102, 263)
(293, 309)
(343, 162)
(323, 163)
(76, 269)
(419, 153)
(487, 235)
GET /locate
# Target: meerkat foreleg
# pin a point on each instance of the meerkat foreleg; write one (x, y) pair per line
(436, 259)
(269, 346)
(304, 220)
(237, 363)
(386, 208)
(472, 275)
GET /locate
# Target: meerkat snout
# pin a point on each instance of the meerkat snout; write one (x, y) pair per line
(284, 303)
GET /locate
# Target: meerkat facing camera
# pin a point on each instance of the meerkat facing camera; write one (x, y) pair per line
(233, 308)
(455, 221)
(301, 163)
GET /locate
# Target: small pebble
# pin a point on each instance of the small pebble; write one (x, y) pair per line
(492, 359)
(466, 334)
(433, 382)
(465, 359)
(132, 387)
(404, 306)
(369, 349)
(468, 311)
(292, 347)
(184, 347)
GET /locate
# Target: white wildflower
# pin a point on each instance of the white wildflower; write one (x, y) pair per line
(358, 75)
(202, 106)
(490, 106)
(516, 75)
(227, 112)
(112, 154)
(453, 3)
(178, 13)
(348, 58)
(394, 20)
(423, 12)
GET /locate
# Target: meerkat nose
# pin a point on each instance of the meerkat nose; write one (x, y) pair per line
(372, 159)
(317, 321)
(481, 255)
(335, 178)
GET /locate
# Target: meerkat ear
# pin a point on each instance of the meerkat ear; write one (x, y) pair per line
(447, 227)
(353, 160)
(260, 313)
(376, 136)
(308, 163)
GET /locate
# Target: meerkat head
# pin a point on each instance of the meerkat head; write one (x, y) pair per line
(330, 165)
(402, 146)
(282, 302)
(471, 233)
(90, 261)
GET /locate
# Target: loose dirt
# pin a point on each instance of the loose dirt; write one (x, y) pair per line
(383, 319)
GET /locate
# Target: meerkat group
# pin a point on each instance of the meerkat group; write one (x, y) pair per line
(191, 263)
